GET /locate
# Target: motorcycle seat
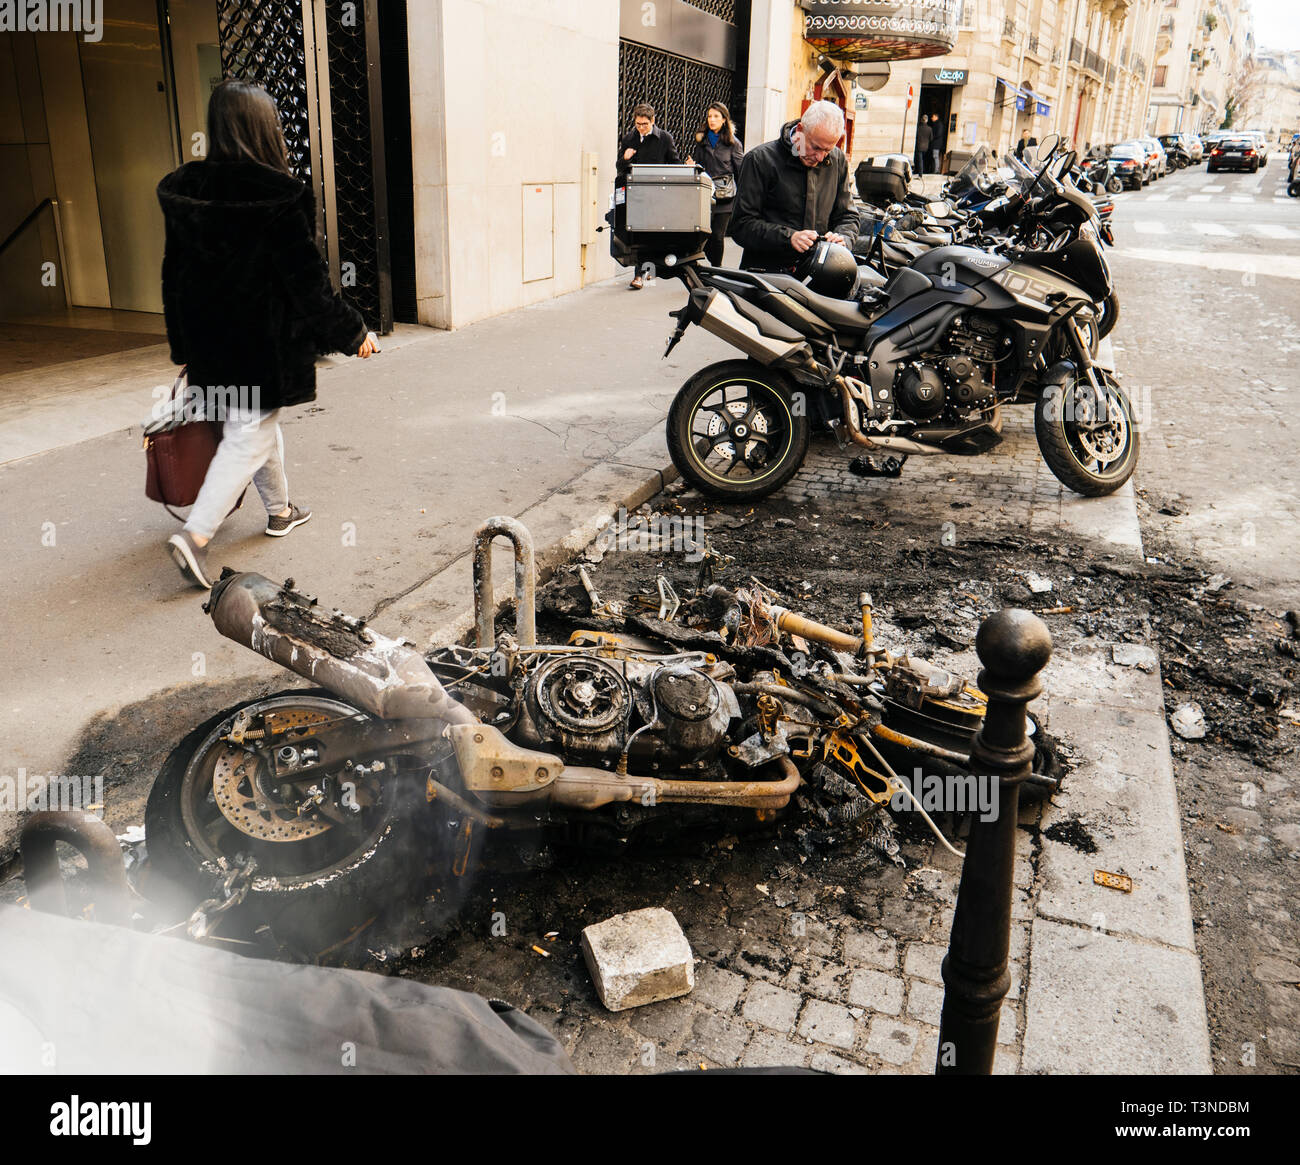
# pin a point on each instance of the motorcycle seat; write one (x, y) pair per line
(844, 315)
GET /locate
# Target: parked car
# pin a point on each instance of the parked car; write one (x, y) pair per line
(1129, 161)
(1237, 153)
(1156, 158)
(1195, 148)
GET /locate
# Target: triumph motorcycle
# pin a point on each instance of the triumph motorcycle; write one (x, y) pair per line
(919, 365)
(310, 811)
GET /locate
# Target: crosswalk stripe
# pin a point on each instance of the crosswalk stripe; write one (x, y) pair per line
(1145, 226)
(1213, 189)
(1198, 198)
(1272, 231)
(1213, 228)
(1239, 198)
(1158, 197)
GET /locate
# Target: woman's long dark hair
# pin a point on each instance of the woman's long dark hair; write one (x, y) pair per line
(244, 126)
(724, 134)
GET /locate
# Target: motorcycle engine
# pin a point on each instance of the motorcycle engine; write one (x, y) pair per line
(921, 392)
(591, 711)
(581, 704)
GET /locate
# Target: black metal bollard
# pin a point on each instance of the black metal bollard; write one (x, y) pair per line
(1013, 646)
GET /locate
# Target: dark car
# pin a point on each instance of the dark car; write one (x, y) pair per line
(1129, 160)
(1234, 154)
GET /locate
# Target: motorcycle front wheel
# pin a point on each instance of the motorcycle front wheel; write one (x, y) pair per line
(1108, 315)
(315, 878)
(1088, 439)
(736, 431)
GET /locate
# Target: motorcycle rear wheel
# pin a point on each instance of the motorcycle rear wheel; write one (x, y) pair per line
(1114, 186)
(735, 432)
(1089, 462)
(313, 891)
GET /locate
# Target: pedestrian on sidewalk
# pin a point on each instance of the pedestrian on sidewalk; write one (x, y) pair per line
(924, 137)
(248, 306)
(936, 143)
(718, 150)
(645, 143)
(1025, 148)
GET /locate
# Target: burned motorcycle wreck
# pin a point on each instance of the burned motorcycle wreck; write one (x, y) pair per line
(310, 810)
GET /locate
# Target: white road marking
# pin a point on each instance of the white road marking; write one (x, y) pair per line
(1145, 226)
(1198, 198)
(1213, 228)
(1271, 231)
(1158, 197)
(1239, 198)
(1213, 189)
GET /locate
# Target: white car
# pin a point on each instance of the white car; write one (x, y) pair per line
(1261, 147)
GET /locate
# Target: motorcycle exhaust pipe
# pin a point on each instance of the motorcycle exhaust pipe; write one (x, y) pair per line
(382, 676)
(721, 318)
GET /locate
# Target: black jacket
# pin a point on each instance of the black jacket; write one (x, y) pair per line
(725, 159)
(658, 147)
(778, 195)
(924, 136)
(246, 295)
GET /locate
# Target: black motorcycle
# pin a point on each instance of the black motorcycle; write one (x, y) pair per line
(921, 365)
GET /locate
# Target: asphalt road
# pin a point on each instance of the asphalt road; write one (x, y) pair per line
(1208, 266)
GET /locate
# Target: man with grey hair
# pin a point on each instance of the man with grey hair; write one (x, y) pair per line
(794, 189)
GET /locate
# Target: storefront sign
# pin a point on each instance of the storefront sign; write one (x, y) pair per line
(944, 76)
(881, 30)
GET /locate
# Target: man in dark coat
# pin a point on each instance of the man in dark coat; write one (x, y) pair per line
(644, 144)
(937, 143)
(793, 189)
(924, 139)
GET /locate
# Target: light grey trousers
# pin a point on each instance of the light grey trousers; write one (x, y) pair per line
(252, 446)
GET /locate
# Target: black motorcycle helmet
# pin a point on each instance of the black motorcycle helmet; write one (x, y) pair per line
(828, 269)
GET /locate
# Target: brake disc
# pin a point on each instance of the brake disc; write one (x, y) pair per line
(247, 808)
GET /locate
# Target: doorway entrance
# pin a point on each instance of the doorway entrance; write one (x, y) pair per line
(937, 99)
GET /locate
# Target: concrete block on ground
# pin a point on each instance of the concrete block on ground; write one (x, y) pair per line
(638, 957)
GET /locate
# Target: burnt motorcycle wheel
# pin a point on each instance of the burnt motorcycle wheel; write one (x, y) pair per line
(1090, 458)
(734, 431)
(315, 881)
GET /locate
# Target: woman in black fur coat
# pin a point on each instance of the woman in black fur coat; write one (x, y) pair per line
(249, 306)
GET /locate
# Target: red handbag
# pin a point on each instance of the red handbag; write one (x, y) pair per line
(177, 455)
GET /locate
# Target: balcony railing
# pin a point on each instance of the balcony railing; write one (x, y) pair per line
(1076, 51)
(1093, 63)
(1139, 65)
(1034, 47)
(1009, 28)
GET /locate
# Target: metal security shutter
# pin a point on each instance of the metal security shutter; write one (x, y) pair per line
(677, 87)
